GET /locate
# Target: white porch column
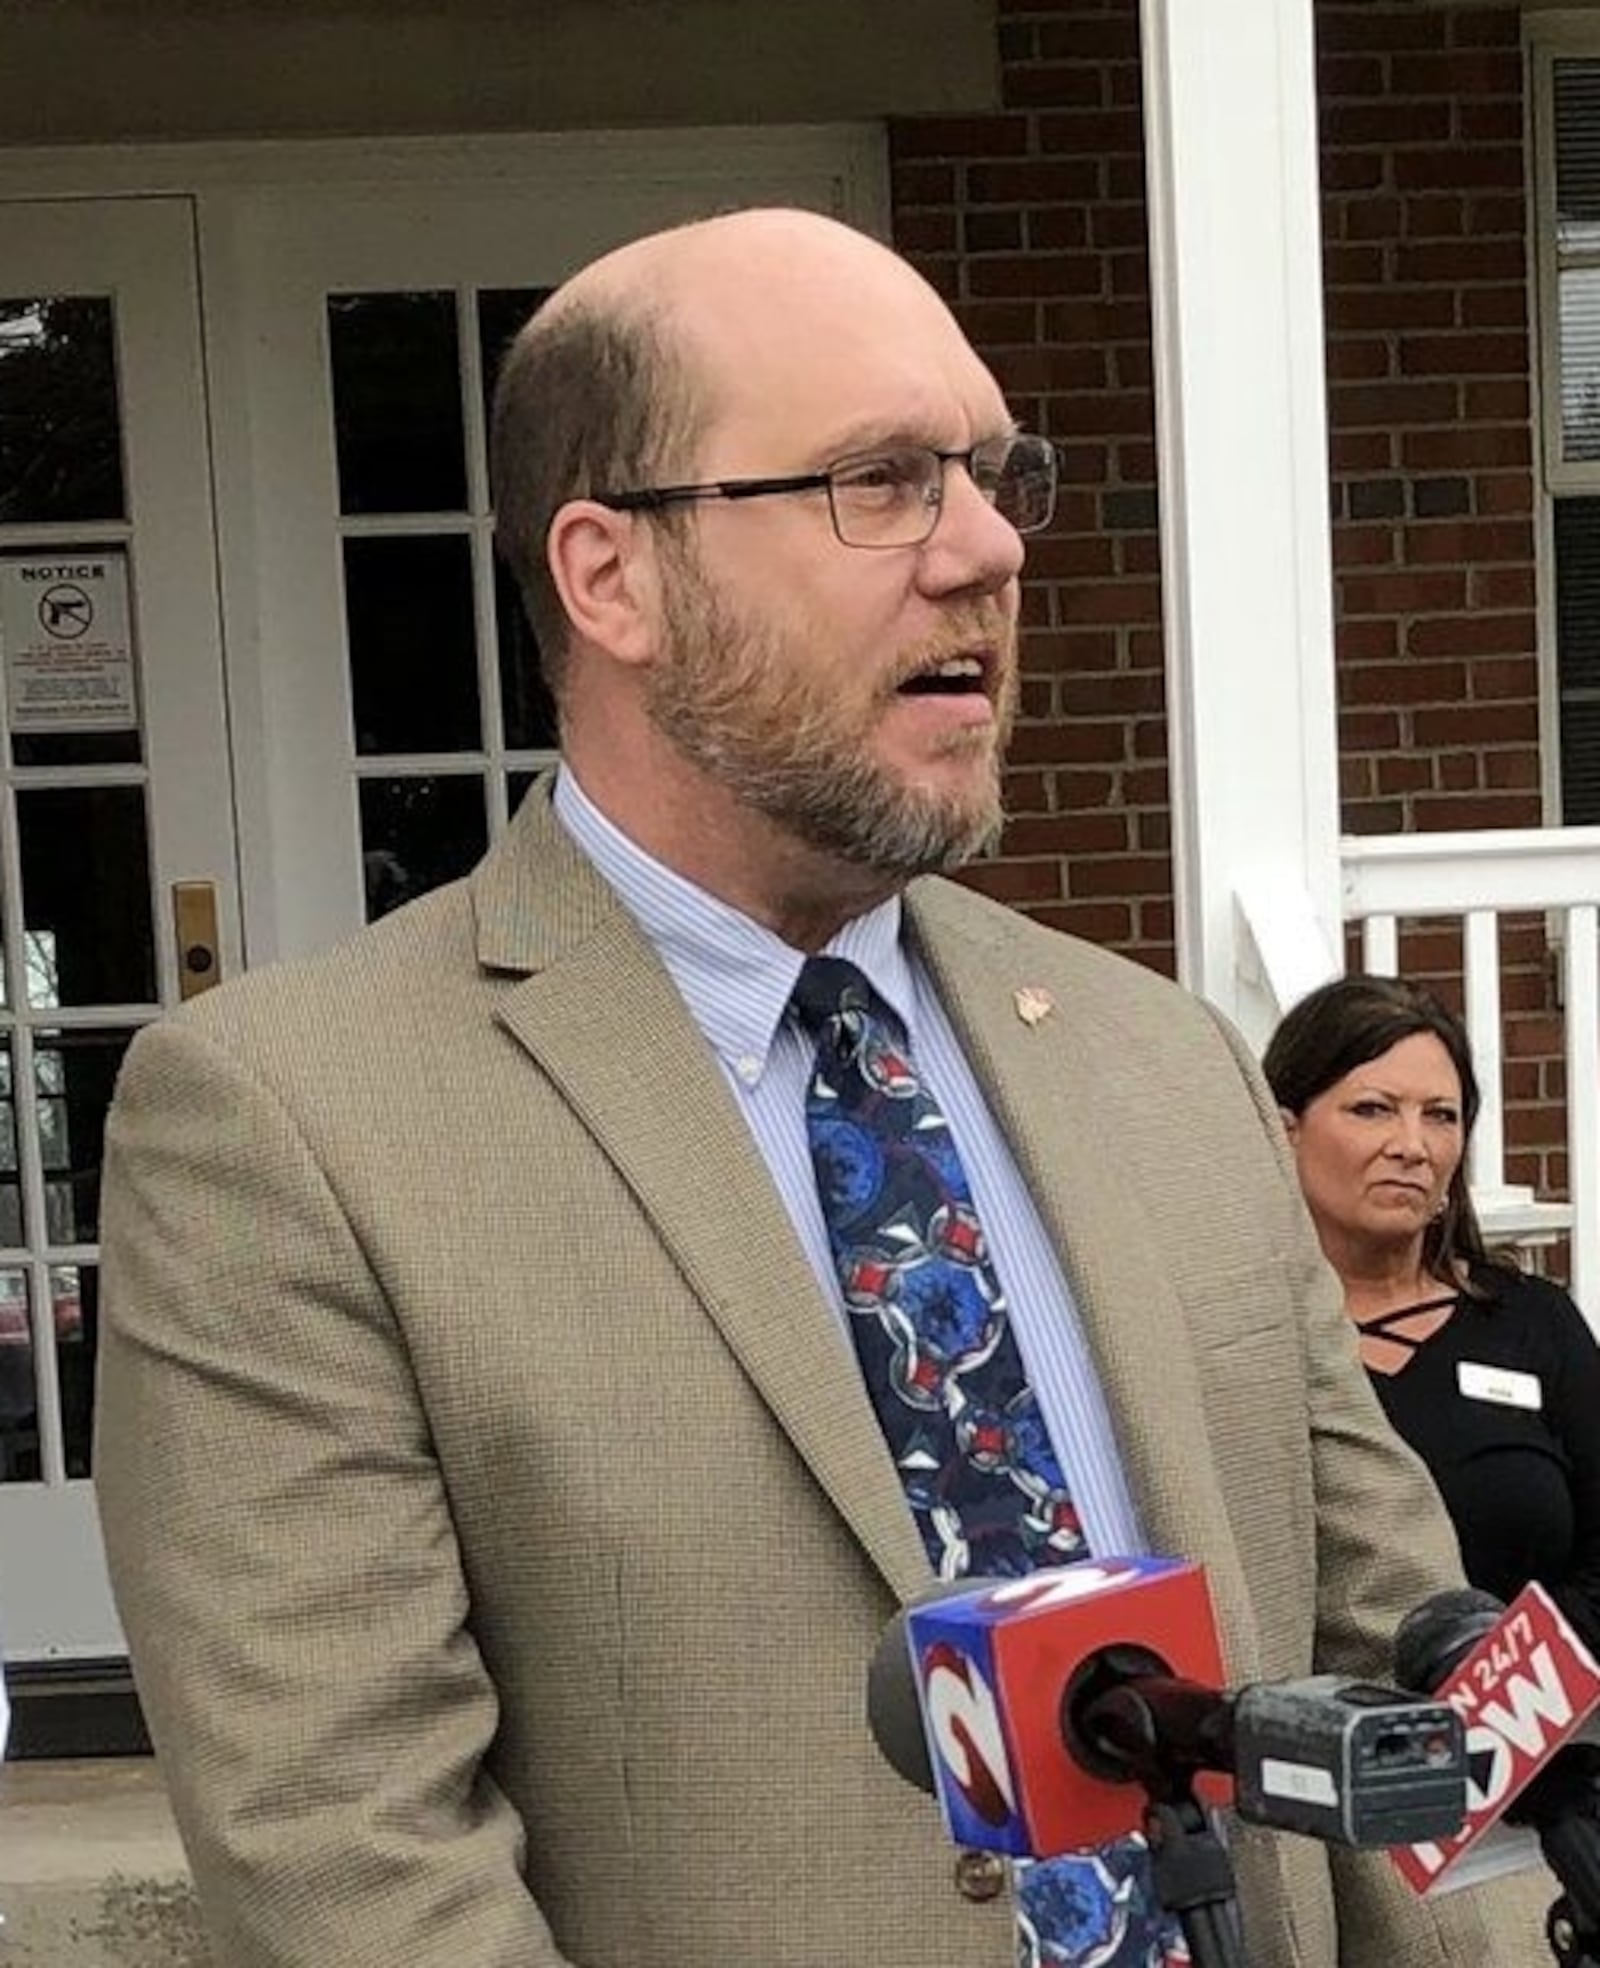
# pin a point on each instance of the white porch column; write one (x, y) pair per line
(1236, 279)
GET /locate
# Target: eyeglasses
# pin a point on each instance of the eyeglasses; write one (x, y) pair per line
(892, 498)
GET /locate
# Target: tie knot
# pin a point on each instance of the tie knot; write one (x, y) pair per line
(827, 988)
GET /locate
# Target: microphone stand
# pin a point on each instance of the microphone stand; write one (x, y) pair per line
(1190, 1864)
(1562, 1804)
(1194, 1877)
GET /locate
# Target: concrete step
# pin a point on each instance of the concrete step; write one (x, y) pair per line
(91, 1871)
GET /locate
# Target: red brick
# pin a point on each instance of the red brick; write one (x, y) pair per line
(1495, 307)
(1363, 361)
(1503, 492)
(1352, 170)
(1389, 404)
(1082, 557)
(1490, 122)
(1492, 588)
(1389, 309)
(1368, 639)
(1059, 228)
(1083, 464)
(1035, 181)
(1435, 215)
(1353, 266)
(1473, 261)
(962, 137)
(1083, 37)
(1404, 593)
(1106, 923)
(1472, 635)
(1480, 354)
(1122, 874)
(996, 324)
(1111, 602)
(1460, 771)
(1368, 731)
(923, 184)
(1041, 274)
(1496, 212)
(1473, 810)
(1146, 786)
(1461, 75)
(1102, 832)
(1390, 121)
(1373, 817)
(1078, 790)
(1404, 774)
(1363, 451)
(1478, 724)
(1349, 75)
(1368, 218)
(1055, 85)
(1119, 225)
(1061, 649)
(1494, 165)
(1101, 322)
(1093, 133)
(1365, 546)
(1402, 683)
(1487, 27)
(1454, 450)
(1017, 881)
(1509, 677)
(1513, 769)
(1101, 741)
(1366, 29)
(1118, 693)
(932, 231)
(1497, 402)
(1429, 542)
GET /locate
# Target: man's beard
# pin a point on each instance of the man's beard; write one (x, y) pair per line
(741, 701)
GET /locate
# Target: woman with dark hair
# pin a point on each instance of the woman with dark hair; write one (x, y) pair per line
(1490, 1374)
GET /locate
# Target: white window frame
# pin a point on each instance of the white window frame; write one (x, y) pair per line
(1550, 37)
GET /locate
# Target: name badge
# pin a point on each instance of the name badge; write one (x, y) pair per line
(1502, 1385)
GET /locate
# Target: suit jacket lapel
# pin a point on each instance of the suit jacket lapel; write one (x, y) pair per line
(1044, 1080)
(599, 1014)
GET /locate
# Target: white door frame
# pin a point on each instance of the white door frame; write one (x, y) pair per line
(243, 193)
(54, 1600)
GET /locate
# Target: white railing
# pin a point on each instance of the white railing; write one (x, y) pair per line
(1475, 879)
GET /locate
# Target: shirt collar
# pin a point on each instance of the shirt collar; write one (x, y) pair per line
(735, 975)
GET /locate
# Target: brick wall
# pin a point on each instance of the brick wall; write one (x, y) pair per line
(1032, 222)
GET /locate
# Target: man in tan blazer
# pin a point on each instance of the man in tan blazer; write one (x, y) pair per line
(497, 1516)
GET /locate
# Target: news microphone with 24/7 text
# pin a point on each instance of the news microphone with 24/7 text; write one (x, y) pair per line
(1033, 1708)
(1524, 1685)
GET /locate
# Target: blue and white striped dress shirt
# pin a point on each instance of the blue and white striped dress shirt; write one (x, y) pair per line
(736, 978)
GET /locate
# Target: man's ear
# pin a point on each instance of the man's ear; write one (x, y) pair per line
(1291, 1123)
(603, 564)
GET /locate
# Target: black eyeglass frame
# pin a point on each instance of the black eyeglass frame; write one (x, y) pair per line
(654, 497)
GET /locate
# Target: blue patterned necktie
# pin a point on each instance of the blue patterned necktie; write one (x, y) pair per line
(927, 1312)
(946, 1379)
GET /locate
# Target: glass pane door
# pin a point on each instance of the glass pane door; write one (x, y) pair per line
(114, 786)
(400, 659)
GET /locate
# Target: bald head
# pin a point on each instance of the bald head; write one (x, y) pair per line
(616, 380)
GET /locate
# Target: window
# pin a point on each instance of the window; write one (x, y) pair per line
(1569, 239)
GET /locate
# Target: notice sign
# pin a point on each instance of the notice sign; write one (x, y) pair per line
(64, 635)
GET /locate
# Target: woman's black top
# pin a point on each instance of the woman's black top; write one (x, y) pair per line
(1503, 1405)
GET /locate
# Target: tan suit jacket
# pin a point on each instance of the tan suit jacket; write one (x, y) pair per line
(499, 1525)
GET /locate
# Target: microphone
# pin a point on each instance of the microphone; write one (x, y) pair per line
(1524, 1685)
(1034, 1707)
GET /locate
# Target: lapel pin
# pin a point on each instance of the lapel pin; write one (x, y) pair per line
(1033, 1004)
